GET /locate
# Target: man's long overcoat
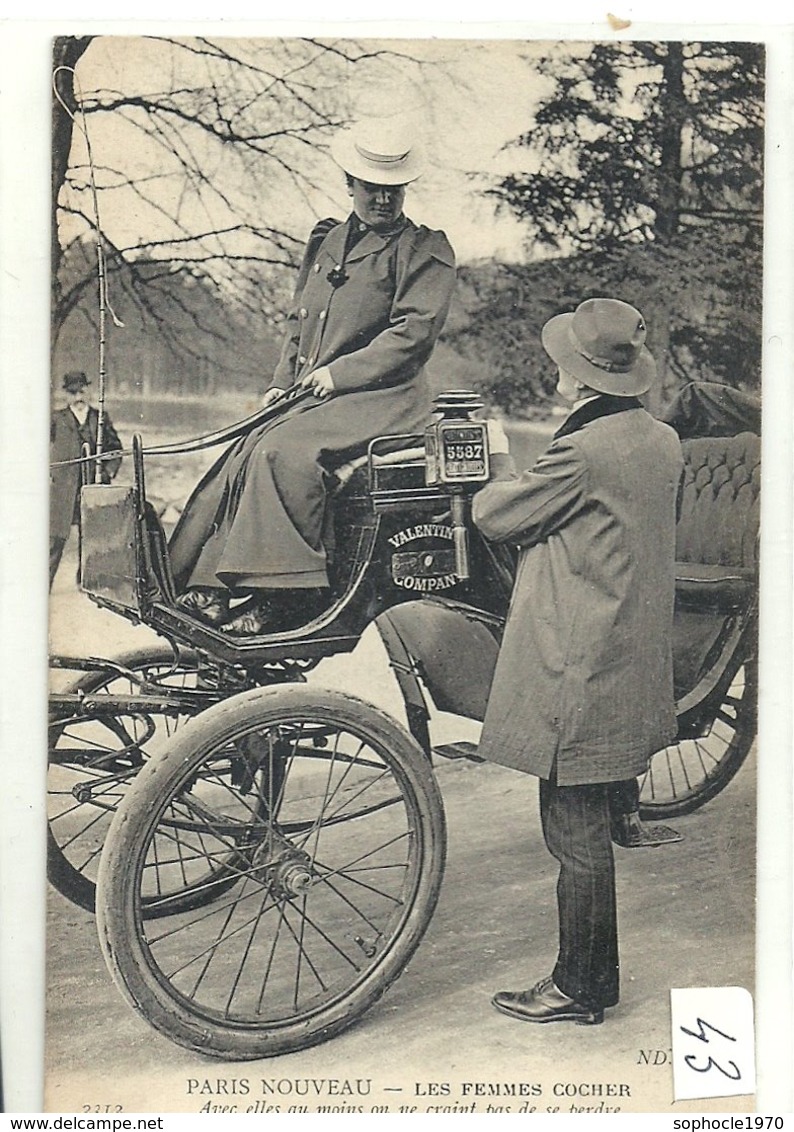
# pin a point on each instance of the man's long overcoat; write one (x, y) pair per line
(66, 441)
(258, 513)
(584, 679)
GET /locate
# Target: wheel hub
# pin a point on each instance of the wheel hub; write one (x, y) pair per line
(283, 866)
(293, 877)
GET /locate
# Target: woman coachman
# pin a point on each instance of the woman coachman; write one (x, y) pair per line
(371, 299)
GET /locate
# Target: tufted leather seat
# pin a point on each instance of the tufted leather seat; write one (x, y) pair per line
(717, 533)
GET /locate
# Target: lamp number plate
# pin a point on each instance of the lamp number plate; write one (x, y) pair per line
(464, 452)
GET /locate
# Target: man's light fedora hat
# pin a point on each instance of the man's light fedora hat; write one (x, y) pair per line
(603, 345)
(379, 150)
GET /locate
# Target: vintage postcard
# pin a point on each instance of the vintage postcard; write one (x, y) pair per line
(309, 295)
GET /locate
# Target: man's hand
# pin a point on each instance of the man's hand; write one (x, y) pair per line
(272, 394)
(320, 382)
(497, 441)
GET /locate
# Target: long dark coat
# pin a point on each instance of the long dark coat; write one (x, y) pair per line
(584, 679)
(257, 517)
(67, 438)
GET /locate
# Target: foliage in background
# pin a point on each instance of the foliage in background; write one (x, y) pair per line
(212, 132)
(701, 321)
(180, 336)
(644, 181)
(648, 186)
(639, 139)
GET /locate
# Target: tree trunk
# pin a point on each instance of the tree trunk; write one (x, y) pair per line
(676, 112)
(659, 393)
(66, 53)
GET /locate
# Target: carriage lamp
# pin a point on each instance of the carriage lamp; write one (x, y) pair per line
(456, 454)
(456, 447)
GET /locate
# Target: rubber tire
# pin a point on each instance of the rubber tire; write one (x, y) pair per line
(120, 924)
(693, 796)
(69, 881)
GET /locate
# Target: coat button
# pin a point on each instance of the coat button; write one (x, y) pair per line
(302, 359)
(316, 267)
(303, 312)
(312, 360)
(322, 316)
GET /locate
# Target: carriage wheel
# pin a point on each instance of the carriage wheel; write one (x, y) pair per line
(340, 828)
(686, 775)
(92, 760)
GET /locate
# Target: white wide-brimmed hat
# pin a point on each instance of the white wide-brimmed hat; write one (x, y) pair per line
(602, 343)
(379, 150)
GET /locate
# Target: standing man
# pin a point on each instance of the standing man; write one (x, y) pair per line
(71, 430)
(583, 689)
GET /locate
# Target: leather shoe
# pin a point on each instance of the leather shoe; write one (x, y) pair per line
(545, 1002)
(205, 604)
(254, 620)
(274, 611)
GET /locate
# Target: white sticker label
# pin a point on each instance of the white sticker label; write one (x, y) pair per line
(713, 1042)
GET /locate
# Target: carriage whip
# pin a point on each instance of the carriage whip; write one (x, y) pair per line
(104, 305)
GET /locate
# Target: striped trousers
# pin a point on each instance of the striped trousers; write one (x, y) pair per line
(576, 827)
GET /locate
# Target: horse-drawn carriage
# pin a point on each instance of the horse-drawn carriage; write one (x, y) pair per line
(264, 855)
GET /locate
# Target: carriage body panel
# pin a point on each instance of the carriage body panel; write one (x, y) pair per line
(393, 559)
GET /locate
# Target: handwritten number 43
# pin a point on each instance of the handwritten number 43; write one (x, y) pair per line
(702, 1036)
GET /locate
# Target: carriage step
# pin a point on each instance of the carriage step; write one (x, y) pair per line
(461, 750)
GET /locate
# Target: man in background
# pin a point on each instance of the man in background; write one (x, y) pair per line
(73, 433)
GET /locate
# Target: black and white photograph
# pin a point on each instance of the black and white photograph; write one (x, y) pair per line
(405, 555)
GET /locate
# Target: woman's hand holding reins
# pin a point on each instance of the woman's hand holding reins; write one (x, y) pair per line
(272, 394)
(320, 382)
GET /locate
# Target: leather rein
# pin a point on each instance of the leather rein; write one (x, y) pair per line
(289, 398)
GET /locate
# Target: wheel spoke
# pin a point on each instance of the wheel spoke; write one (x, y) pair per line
(246, 952)
(341, 869)
(206, 913)
(303, 840)
(271, 955)
(206, 888)
(307, 919)
(222, 937)
(212, 950)
(299, 953)
(85, 828)
(114, 797)
(690, 772)
(335, 816)
(327, 798)
(98, 753)
(354, 907)
(85, 740)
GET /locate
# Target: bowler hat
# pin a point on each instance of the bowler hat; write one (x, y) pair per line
(379, 150)
(602, 344)
(74, 380)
